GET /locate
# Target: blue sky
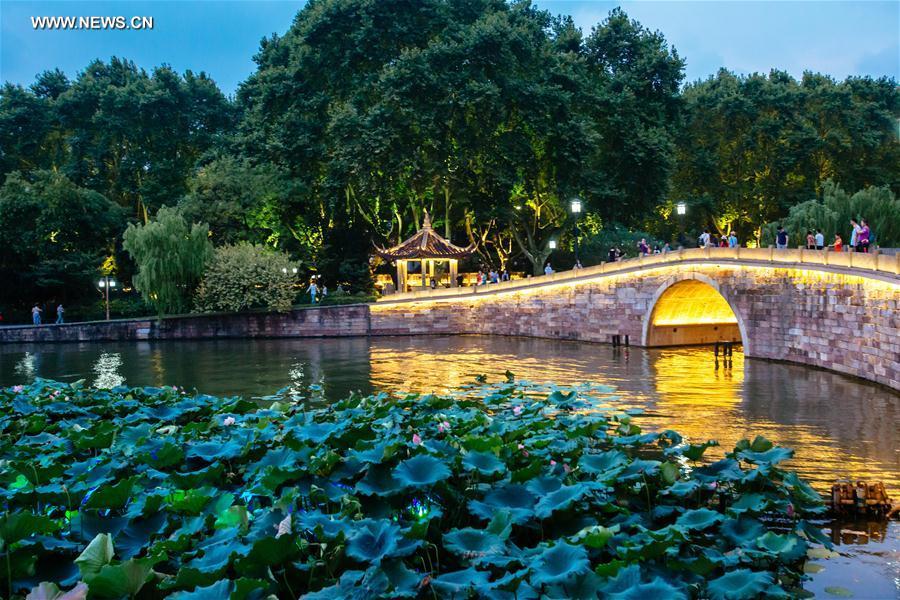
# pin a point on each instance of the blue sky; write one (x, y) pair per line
(221, 36)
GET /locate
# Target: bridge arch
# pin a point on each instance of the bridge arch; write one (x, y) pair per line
(691, 308)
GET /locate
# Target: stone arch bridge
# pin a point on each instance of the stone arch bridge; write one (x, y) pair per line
(836, 311)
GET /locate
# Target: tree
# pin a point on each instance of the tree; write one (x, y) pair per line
(54, 236)
(171, 257)
(244, 276)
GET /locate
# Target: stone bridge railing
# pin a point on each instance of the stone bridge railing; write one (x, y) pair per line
(884, 267)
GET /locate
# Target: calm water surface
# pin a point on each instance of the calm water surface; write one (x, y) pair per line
(839, 427)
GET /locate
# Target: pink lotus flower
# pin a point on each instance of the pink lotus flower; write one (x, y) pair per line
(416, 439)
(17, 388)
(790, 510)
(567, 468)
(442, 427)
(517, 410)
(228, 422)
(552, 463)
(521, 446)
(713, 485)
(284, 527)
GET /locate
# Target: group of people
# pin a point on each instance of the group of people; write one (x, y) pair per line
(707, 240)
(317, 290)
(644, 249)
(860, 238)
(491, 276)
(36, 312)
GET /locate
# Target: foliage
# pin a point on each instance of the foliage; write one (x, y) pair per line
(509, 489)
(595, 248)
(54, 236)
(171, 257)
(878, 205)
(753, 146)
(132, 136)
(246, 276)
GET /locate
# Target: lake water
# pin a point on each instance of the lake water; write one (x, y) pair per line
(839, 427)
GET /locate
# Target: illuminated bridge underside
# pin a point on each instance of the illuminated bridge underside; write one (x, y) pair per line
(836, 311)
(689, 313)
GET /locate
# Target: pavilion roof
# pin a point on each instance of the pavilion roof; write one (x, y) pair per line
(426, 243)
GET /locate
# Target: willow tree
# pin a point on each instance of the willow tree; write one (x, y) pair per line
(171, 256)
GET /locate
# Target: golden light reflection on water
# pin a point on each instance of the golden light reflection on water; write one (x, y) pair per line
(821, 415)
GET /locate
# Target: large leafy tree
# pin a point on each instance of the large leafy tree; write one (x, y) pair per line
(754, 146)
(54, 237)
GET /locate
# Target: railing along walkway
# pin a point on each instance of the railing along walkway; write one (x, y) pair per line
(883, 267)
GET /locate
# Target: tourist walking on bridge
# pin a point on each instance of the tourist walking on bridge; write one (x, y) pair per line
(36, 314)
(313, 291)
(59, 314)
(838, 243)
(820, 240)
(862, 240)
(854, 235)
(732, 240)
(781, 238)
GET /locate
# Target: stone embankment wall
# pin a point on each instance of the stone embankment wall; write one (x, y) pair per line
(329, 321)
(839, 312)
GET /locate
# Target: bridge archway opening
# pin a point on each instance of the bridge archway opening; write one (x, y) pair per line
(689, 313)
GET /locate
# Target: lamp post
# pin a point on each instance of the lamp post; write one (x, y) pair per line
(552, 244)
(681, 209)
(105, 284)
(575, 207)
(285, 271)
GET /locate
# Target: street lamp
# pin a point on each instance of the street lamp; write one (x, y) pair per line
(293, 270)
(105, 284)
(681, 208)
(575, 207)
(552, 244)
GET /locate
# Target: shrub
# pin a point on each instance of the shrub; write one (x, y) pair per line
(510, 490)
(245, 276)
(170, 257)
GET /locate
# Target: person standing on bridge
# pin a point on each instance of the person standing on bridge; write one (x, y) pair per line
(313, 291)
(59, 314)
(732, 240)
(838, 243)
(820, 240)
(862, 240)
(781, 238)
(810, 241)
(854, 235)
(36, 314)
(548, 270)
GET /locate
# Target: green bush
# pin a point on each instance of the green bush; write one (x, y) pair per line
(508, 490)
(245, 276)
(127, 307)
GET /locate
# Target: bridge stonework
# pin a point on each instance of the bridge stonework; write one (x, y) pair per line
(837, 316)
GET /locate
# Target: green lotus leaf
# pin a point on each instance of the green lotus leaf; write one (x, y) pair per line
(726, 469)
(772, 456)
(331, 526)
(640, 469)
(656, 589)
(374, 540)
(121, 580)
(218, 552)
(750, 503)
(514, 497)
(421, 470)
(404, 581)
(561, 499)
(559, 563)
(742, 531)
(606, 465)
(697, 519)
(459, 582)
(682, 489)
(739, 584)
(95, 556)
(375, 454)
(217, 591)
(696, 451)
(839, 591)
(540, 486)
(501, 524)
(582, 587)
(761, 444)
(214, 451)
(595, 536)
(485, 463)
(379, 480)
(20, 525)
(317, 433)
(788, 547)
(471, 542)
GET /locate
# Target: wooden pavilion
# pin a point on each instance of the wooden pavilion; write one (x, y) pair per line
(428, 249)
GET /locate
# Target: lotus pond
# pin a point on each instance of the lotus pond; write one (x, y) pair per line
(507, 490)
(837, 426)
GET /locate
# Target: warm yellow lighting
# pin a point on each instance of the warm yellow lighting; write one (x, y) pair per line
(692, 302)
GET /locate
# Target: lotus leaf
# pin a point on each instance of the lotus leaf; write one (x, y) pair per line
(560, 563)
(787, 547)
(470, 542)
(514, 498)
(742, 531)
(561, 499)
(50, 591)
(373, 540)
(458, 582)
(485, 463)
(700, 518)
(421, 470)
(739, 584)
(656, 589)
(770, 457)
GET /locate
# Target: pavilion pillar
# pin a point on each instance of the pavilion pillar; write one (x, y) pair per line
(453, 262)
